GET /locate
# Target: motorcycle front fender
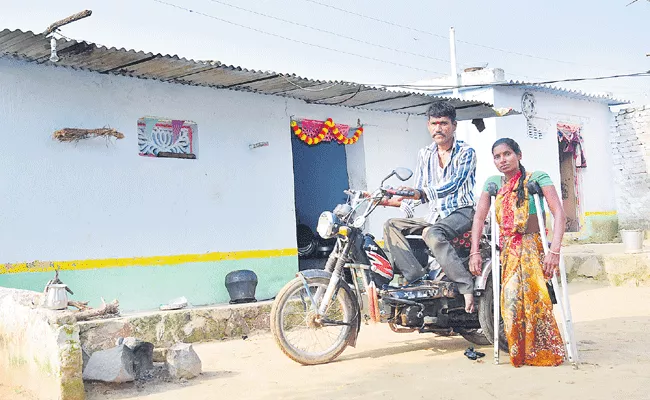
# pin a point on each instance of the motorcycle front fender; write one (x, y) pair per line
(481, 281)
(356, 321)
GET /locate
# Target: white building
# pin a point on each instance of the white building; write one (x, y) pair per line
(120, 223)
(587, 189)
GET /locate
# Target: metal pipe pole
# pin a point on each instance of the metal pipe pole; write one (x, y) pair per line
(496, 270)
(452, 56)
(496, 281)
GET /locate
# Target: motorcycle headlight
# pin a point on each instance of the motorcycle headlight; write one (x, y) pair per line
(327, 225)
(342, 210)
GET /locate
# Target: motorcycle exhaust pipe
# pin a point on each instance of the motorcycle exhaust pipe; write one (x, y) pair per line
(406, 302)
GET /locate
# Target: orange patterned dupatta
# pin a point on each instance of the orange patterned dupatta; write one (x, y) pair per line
(526, 308)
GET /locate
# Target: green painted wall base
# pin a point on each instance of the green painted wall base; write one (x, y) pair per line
(146, 288)
(599, 229)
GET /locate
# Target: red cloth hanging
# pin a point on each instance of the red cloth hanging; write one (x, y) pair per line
(569, 135)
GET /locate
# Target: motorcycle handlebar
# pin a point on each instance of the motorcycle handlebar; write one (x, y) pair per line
(351, 192)
(404, 193)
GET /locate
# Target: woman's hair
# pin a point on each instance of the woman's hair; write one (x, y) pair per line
(514, 146)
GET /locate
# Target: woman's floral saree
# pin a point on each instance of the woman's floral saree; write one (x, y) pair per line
(526, 308)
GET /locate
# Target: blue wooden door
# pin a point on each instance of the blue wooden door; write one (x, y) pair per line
(320, 177)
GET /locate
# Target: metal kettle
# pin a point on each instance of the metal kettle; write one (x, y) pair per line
(56, 296)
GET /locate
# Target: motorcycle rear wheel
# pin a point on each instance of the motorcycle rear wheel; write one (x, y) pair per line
(475, 336)
(294, 323)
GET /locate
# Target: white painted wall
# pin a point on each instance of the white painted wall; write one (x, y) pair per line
(542, 154)
(395, 143)
(98, 199)
(480, 141)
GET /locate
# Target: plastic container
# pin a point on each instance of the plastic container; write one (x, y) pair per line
(632, 240)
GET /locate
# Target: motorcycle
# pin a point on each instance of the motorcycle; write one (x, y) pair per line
(318, 314)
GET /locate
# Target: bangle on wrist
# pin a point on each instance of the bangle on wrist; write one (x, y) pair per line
(475, 253)
(557, 253)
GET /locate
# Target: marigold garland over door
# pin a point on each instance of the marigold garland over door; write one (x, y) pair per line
(328, 127)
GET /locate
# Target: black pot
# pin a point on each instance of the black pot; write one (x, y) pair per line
(241, 286)
(307, 242)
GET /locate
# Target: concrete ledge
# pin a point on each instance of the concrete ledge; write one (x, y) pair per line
(604, 262)
(39, 348)
(608, 262)
(165, 328)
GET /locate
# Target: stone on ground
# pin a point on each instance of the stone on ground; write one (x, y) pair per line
(183, 362)
(142, 356)
(112, 365)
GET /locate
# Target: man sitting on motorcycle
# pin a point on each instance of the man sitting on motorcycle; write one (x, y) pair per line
(444, 179)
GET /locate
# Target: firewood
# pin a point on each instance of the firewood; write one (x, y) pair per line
(65, 21)
(81, 305)
(76, 134)
(103, 311)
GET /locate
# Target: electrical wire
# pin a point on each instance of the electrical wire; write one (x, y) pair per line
(330, 32)
(352, 38)
(434, 88)
(342, 36)
(306, 89)
(442, 36)
(347, 98)
(58, 32)
(443, 87)
(295, 40)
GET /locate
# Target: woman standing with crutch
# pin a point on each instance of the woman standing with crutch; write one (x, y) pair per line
(526, 307)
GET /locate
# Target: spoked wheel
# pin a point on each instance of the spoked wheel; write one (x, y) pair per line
(486, 318)
(304, 335)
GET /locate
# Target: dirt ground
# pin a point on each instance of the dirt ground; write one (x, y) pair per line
(610, 325)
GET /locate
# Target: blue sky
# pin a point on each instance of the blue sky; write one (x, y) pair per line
(560, 39)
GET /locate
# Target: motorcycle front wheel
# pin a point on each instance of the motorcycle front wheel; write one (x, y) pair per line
(302, 334)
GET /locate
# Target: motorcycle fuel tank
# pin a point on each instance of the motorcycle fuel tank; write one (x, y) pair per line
(379, 263)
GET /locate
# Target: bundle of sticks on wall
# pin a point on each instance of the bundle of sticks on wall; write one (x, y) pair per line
(76, 134)
(86, 312)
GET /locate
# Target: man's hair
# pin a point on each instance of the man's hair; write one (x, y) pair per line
(439, 109)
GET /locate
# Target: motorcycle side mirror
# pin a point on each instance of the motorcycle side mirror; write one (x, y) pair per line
(403, 174)
(386, 178)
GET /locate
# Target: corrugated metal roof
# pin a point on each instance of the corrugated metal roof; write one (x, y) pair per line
(88, 56)
(577, 94)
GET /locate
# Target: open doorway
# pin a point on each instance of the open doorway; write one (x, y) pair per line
(570, 186)
(320, 177)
